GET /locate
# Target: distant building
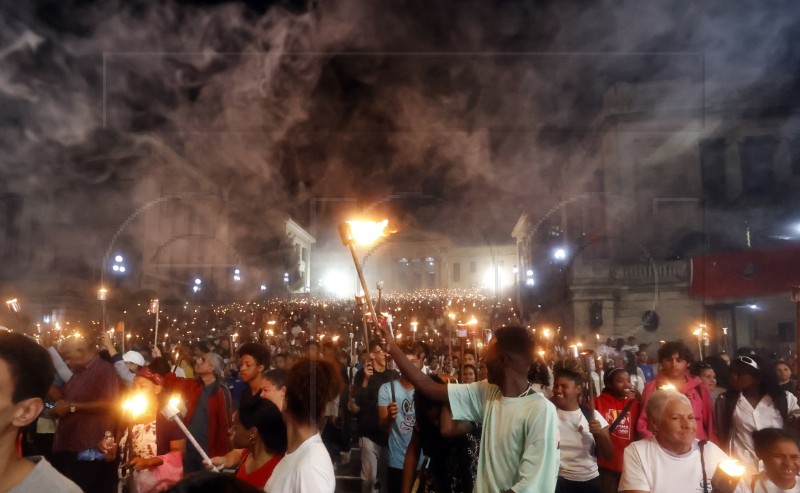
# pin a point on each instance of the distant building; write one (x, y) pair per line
(668, 177)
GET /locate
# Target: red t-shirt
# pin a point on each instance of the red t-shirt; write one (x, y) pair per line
(625, 432)
(260, 476)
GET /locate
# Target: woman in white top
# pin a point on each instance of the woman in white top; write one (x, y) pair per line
(306, 467)
(578, 472)
(671, 460)
(780, 454)
(755, 402)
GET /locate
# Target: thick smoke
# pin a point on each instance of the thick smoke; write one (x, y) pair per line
(486, 107)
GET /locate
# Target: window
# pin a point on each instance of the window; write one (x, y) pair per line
(457, 272)
(712, 169)
(757, 157)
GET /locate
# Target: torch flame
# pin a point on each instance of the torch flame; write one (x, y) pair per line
(174, 403)
(135, 404)
(366, 232)
(732, 468)
(668, 386)
(697, 332)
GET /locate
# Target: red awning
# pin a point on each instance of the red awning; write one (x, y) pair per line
(746, 274)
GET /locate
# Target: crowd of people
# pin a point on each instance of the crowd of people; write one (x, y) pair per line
(282, 414)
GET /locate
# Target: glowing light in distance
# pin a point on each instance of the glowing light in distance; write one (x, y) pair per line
(559, 254)
(118, 258)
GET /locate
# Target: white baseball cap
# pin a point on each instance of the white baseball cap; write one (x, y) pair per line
(133, 357)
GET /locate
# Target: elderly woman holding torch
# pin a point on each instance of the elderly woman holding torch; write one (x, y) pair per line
(151, 446)
(672, 459)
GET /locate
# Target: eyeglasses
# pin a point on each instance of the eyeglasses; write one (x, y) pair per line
(377, 351)
(748, 361)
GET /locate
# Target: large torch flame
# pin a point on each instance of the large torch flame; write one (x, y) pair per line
(668, 386)
(366, 232)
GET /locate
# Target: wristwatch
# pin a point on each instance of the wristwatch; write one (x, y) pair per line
(72, 407)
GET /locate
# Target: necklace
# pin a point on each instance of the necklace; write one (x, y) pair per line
(527, 391)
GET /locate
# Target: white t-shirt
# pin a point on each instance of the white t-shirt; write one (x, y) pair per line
(762, 484)
(519, 441)
(578, 462)
(746, 420)
(306, 470)
(649, 467)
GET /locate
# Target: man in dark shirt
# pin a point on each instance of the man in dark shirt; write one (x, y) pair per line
(85, 412)
(373, 437)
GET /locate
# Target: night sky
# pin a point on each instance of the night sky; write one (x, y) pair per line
(452, 116)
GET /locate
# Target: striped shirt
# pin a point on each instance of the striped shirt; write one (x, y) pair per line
(82, 430)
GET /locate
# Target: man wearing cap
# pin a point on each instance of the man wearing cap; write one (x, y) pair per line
(125, 365)
(208, 408)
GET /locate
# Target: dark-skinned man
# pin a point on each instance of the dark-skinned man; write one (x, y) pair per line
(519, 441)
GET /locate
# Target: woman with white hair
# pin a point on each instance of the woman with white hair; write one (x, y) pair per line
(672, 459)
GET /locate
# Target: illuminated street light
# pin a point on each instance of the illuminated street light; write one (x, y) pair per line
(559, 254)
(237, 275)
(119, 266)
(263, 287)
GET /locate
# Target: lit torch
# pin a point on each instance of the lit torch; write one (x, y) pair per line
(171, 412)
(727, 476)
(362, 233)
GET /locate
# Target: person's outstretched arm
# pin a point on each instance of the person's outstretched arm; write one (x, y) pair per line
(422, 383)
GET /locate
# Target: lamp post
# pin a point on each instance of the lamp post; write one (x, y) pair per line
(362, 232)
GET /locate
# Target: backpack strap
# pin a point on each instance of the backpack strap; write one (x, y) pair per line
(702, 445)
(621, 415)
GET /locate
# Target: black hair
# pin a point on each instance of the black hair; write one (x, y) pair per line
(629, 362)
(539, 372)
(259, 352)
(470, 351)
(276, 376)
(372, 344)
(570, 368)
(212, 482)
(514, 340)
(266, 418)
(30, 365)
(607, 376)
(675, 347)
(159, 365)
(474, 370)
(765, 438)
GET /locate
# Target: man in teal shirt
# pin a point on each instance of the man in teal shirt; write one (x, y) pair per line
(519, 441)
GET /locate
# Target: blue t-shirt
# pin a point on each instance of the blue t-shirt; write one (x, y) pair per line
(403, 425)
(649, 374)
